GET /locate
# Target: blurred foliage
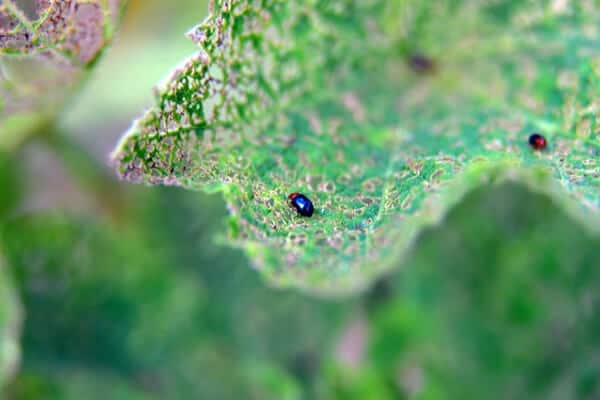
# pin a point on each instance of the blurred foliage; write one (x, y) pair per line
(10, 320)
(46, 48)
(55, 383)
(501, 301)
(157, 301)
(318, 97)
(10, 309)
(9, 181)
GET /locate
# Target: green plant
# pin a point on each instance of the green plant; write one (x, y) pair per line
(446, 257)
(10, 319)
(46, 49)
(317, 97)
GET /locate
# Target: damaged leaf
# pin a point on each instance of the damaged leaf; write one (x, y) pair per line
(323, 98)
(46, 48)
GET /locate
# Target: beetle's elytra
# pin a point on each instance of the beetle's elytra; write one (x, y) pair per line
(302, 204)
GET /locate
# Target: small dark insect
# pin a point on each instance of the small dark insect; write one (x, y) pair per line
(537, 141)
(421, 64)
(302, 204)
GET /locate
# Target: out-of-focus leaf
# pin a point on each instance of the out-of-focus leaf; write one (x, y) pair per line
(58, 384)
(242, 326)
(365, 383)
(272, 382)
(46, 48)
(161, 305)
(10, 184)
(10, 325)
(93, 280)
(318, 97)
(500, 302)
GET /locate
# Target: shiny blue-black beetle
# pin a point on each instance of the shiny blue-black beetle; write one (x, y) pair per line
(302, 204)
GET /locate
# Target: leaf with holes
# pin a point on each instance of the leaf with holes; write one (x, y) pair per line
(46, 48)
(383, 113)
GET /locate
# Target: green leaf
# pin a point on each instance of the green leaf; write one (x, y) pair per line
(157, 303)
(64, 384)
(250, 333)
(10, 324)
(318, 97)
(502, 309)
(46, 49)
(10, 183)
(59, 271)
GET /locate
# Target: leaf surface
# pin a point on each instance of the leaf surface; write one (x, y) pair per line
(46, 48)
(383, 113)
(505, 309)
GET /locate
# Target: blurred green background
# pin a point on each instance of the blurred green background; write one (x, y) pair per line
(126, 294)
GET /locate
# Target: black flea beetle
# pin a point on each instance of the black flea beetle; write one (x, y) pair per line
(302, 204)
